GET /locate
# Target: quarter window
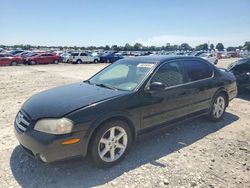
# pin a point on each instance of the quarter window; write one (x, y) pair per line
(170, 74)
(197, 70)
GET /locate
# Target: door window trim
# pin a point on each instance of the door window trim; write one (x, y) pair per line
(146, 88)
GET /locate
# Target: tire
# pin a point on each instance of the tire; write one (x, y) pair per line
(78, 61)
(216, 61)
(32, 63)
(108, 61)
(56, 61)
(96, 61)
(218, 107)
(13, 63)
(101, 151)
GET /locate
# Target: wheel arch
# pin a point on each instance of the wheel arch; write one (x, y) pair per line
(98, 125)
(223, 91)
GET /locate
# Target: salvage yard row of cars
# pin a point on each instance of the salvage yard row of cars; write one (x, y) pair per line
(15, 57)
(38, 57)
(240, 68)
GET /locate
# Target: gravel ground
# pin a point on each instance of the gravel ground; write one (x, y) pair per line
(197, 153)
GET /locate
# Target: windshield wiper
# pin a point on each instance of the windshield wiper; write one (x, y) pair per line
(106, 86)
(87, 81)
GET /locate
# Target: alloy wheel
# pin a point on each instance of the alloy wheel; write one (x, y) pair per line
(112, 144)
(219, 107)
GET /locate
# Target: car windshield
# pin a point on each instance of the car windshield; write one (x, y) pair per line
(123, 75)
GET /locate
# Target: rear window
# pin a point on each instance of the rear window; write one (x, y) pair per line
(197, 70)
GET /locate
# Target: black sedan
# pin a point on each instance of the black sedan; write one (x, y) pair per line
(241, 69)
(102, 116)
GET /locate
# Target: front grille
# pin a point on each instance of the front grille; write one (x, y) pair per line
(22, 122)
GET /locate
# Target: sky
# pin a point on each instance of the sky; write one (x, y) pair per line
(101, 22)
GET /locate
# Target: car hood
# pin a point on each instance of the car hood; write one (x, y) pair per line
(62, 100)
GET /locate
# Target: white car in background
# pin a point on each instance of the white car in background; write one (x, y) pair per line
(83, 57)
(212, 58)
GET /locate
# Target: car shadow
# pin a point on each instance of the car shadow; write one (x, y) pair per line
(81, 173)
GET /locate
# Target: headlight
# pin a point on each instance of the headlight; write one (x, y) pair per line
(54, 126)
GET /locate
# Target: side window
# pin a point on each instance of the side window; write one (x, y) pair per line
(83, 54)
(74, 54)
(170, 74)
(197, 70)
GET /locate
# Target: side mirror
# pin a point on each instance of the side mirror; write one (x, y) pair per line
(157, 86)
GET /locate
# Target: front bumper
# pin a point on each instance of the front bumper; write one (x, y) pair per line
(48, 147)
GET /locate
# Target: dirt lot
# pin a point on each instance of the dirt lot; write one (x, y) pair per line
(198, 153)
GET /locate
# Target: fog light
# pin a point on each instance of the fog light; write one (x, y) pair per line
(43, 158)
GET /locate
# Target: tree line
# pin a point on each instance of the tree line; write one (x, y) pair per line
(139, 47)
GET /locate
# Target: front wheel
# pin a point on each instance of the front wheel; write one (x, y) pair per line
(78, 61)
(218, 107)
(13, 63)
(110, 143)
(96, 61)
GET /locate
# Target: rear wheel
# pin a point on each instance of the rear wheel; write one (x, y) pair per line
(110, 143)
(107, 61)
(13, 63)
(96, 61)
(79, 61)
(218, 107)
(56, 61)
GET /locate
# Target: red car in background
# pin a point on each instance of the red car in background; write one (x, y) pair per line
(44, 58)
(7, 59)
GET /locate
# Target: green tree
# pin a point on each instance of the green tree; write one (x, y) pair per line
(202, 47)
(107, 47)
(185, 46)
(137, 46)
(212, 46)
(114, 47)
(220, 47)
(246, 45)
(127, 47)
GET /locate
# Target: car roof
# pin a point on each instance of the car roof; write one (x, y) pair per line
(161, 58)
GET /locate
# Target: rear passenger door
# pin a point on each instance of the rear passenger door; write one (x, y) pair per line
(200, 85)
(49, 58)
(84, 57)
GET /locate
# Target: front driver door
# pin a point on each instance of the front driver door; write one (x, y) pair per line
(167, 104)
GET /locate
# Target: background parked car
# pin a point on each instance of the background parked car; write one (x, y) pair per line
(241, 70)
(14, 52)
(83, 57)
(209, 57)
(65, 57)
(44, 58)
(110, 58)
(6, 59)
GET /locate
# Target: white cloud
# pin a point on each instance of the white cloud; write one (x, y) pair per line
(227, 40)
